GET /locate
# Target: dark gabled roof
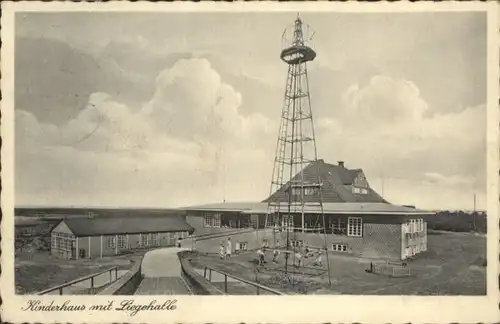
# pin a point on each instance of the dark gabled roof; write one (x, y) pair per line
(335, 179)
(93, 226)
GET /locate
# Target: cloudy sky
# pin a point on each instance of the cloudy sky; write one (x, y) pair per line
(165, 110)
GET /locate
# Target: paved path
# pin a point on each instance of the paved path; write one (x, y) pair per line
(162, 286)
(161, 269)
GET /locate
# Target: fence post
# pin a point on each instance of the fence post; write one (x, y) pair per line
(91, 282)
(225, 283)
(116, 273)
(110, 276)
(257, 281)
(61, 291)
(210, 275)
(205, 273)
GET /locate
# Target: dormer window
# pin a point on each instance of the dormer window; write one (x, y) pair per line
(308, 190)
(359, 191)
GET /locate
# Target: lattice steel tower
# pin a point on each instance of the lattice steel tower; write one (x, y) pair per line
(291, 192)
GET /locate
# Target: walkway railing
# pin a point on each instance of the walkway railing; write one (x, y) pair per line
(60, 288)
(208, 271)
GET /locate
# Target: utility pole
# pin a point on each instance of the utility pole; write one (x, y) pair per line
(383, 185)
(474, 214)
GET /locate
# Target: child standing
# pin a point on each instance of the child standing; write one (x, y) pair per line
(237, 248)
(298, 258)
(276, 254)
(221, 251)
(260, 254)
(319, 260)
(229, 247)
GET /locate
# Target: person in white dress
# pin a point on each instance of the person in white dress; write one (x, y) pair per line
(229, 248)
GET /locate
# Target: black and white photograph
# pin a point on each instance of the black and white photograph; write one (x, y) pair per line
(293, 152)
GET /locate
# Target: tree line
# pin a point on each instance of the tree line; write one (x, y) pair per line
(457, 221)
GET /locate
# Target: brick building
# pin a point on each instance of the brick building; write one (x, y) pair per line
(357, 219)
(94, 236)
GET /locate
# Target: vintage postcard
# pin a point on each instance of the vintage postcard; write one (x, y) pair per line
(250, 162)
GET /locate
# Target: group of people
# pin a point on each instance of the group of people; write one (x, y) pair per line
(226, 250)
(299, 255)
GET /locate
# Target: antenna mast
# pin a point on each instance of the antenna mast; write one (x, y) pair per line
(291, 194)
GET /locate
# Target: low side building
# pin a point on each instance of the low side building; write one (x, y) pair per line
(93, 237)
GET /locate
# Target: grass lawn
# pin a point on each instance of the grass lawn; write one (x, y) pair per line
(453, 265)
(39, 271)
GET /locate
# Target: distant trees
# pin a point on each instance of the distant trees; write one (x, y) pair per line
(457, 221)
(36, 237)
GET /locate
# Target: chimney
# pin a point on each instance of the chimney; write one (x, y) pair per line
(341, 164)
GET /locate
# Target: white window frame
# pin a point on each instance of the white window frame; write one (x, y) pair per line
(111, 242)
(296, 243)
(122, 241)
(359, 191)
(212, 219)
(144, 238)
(155, 239)
(355, 226)
(336, 247)
(62, 241)
(243, 246)
(208, 220)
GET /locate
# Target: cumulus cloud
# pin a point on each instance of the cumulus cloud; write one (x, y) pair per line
(172, 147)
(190, 144)
(387, 128)
(372, 102)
